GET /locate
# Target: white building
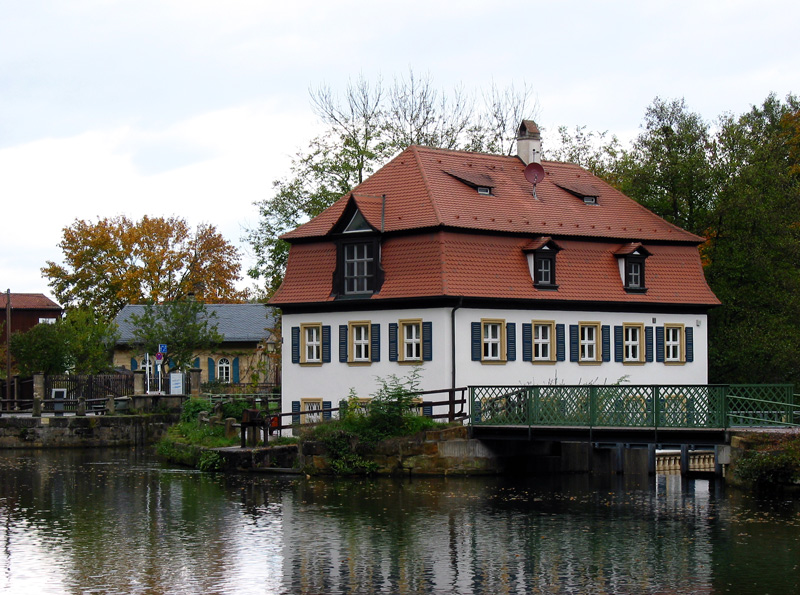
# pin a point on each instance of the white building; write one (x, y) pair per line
(454, 261)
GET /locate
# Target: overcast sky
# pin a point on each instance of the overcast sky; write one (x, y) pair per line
(193, 107)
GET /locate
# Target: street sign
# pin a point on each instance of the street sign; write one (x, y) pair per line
(159, 357)
(162, 348)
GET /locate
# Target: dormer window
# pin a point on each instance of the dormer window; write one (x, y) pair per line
(541, 255)
(631, 267)
(485, 190)
(358, 273)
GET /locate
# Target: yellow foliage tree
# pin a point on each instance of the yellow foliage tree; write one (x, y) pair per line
(116, 261)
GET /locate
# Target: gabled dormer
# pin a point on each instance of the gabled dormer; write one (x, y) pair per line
(358, 273)
(541, 255)
(582, 190)
(631, 259)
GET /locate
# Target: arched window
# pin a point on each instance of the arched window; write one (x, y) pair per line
(224, 369)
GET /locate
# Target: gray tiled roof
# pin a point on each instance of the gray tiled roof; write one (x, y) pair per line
(236, 322)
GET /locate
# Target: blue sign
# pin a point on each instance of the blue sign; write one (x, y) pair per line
(162, 348)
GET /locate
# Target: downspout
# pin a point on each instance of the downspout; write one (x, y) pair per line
(8, 348)
(453, 344)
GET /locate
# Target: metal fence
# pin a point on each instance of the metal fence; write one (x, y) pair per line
(647, 406)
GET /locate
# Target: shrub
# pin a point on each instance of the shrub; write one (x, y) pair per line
(210, 461)
(768, 468)
(193, 407)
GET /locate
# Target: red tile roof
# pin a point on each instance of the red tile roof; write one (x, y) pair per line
(29, 301)
(473, 245)
(421, 191)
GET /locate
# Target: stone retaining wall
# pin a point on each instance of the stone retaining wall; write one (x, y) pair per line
(83, 432)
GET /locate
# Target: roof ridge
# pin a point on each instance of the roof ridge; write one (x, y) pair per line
(425, 181)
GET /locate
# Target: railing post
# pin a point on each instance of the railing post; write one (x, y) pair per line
(656, 406)
(451, 414)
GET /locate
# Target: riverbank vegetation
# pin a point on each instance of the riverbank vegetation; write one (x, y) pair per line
(770, 460)
(393, 411)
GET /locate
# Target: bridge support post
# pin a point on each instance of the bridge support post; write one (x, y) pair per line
(722, 457)
(619, 463)
(651, 459)
(684, 459)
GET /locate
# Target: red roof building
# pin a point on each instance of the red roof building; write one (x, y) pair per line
(28, 310)
(498, 272)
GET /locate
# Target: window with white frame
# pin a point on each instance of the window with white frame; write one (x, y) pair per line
(542, 341)
(147, 365)
(492, 340)
(311, 348)
(359, 342)
(411, 333)
(673, 343)
(224, 369)
(632, 343)
(588, 342)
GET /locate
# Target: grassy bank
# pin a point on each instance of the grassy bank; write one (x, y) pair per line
(769, 460)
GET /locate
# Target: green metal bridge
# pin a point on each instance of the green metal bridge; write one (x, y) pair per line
(677, 414)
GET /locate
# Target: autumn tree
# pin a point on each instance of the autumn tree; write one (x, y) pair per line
(116, 261)
(185, 326)
(361, 131)
(598, 152)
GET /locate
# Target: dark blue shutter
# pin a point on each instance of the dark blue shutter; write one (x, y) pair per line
(392, 341)
(236, 370)
(343, 343)
(648, 344)
(476, 341)
(296, 409)
(326, 415)
(618, 343)
(605, 332)
(295, 344)
(197, 362)
(375, 342)
(326, 344)
(211, 369)
(561, 349)
(689, 344)
(427, 410)
(511, 341)
(427, 341)
(134, 365)
(659, 343)
(527, 342)
(573, 343)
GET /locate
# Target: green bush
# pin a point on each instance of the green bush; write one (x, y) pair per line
(210, 461)
(768, 468)
(193, 407)
(234, 408)
(391, 412)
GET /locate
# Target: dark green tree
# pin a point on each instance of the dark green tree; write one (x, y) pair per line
(185, 326)
(91, 341)
(753, 251)
(668, 168)
(44, 348)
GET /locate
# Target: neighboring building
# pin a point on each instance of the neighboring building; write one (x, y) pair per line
(249, 332)
(28, 310)
(453, 261)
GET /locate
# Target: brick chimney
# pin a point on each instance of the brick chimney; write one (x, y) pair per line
(529, 142)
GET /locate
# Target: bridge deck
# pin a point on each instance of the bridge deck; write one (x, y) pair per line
(662, 437)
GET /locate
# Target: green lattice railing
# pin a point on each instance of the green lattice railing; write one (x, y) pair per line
(665, 406)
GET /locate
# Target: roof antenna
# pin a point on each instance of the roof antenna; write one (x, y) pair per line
(534, 173)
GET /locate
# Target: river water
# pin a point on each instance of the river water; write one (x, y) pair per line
(119, 521)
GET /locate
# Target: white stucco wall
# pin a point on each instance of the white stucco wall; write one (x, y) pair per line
(333, 381)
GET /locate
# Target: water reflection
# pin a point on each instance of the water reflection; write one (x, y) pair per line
(119, 522)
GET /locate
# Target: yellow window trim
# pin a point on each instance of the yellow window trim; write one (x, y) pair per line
(351, 343)
(642, 344)
(303, 327)
(502, 339)
(598, 344)
(552, 325)
(401, 324)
